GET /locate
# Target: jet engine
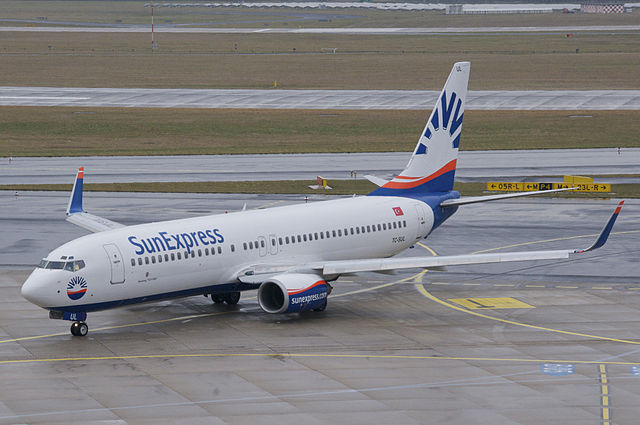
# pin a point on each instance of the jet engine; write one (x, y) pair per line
(293, 292)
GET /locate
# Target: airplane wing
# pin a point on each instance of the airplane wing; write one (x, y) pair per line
(475, 199)
(77, 215)
(259, 273)
(381, 264)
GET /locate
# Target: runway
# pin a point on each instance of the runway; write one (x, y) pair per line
(389, 349)
(316, 99)
(472, 166)
(365, 31)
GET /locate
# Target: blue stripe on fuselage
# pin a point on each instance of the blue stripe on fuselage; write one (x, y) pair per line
(212, 289)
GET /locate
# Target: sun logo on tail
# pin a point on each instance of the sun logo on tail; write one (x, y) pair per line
(76, 288)
(446, 116)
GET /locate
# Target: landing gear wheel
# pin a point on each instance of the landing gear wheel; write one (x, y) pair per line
(217, 298)
(79, 329)
(322, 307)
(232, 298)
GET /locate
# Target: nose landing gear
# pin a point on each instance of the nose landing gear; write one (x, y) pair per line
(79, 329)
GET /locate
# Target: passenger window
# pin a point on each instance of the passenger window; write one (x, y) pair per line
(300, 238)
(133, 262)
(146, 260)
(244, 245)
(206, 251)
(327, 234)
(373, 228)
(233, 248)
(179, 255)
(262, 243)
(379, 227)
(166, 257)
(173, 257)
(304, 237)
(153, 259)
(339, 233)
(199, 253)
(368, 229)
(219, 250)
(139, 261)
(286, 240)
(351, 230)
(357, 230)
(280, 241)
(251, 245)
(160, 258)
(186, 255)
(404, 223)
(193, 254)
(322, 235)
(315, 236)
(394, 225)
(384, 226)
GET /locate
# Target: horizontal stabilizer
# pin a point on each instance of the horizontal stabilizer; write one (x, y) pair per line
(475, 199)
(376, 180)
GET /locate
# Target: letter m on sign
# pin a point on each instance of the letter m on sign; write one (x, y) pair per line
(398, 211)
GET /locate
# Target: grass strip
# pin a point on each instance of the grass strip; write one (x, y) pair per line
(339, 187)
(67, 131)
(521, 61)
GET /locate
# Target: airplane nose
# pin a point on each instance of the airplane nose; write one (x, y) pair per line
(30, 290)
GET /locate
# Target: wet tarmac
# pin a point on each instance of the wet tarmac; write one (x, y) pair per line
(413, 348)
(316, 99)
(472, 166)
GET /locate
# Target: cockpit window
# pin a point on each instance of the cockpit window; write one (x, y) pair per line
(70, 266)
(55, 265)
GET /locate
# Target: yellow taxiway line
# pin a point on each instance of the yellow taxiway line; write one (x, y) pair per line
(321, 355)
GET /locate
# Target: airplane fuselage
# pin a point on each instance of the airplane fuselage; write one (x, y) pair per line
(204, 255)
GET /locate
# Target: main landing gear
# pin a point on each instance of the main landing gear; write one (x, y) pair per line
(230, 298)
(79, 329)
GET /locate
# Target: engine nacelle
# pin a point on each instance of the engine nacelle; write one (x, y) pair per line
(293, 292)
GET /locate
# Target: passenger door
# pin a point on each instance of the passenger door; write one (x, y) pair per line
(117, 265)
(422, 222)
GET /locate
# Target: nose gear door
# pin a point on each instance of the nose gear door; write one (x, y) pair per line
(117, 265)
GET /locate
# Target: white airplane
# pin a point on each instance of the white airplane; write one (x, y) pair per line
(287, 253)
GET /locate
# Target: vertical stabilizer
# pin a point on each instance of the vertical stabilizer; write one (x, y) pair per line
(433, 164)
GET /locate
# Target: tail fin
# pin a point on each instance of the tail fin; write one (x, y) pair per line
(433, 164)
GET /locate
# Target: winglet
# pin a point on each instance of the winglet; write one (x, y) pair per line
(604, 235)
(75, 201)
